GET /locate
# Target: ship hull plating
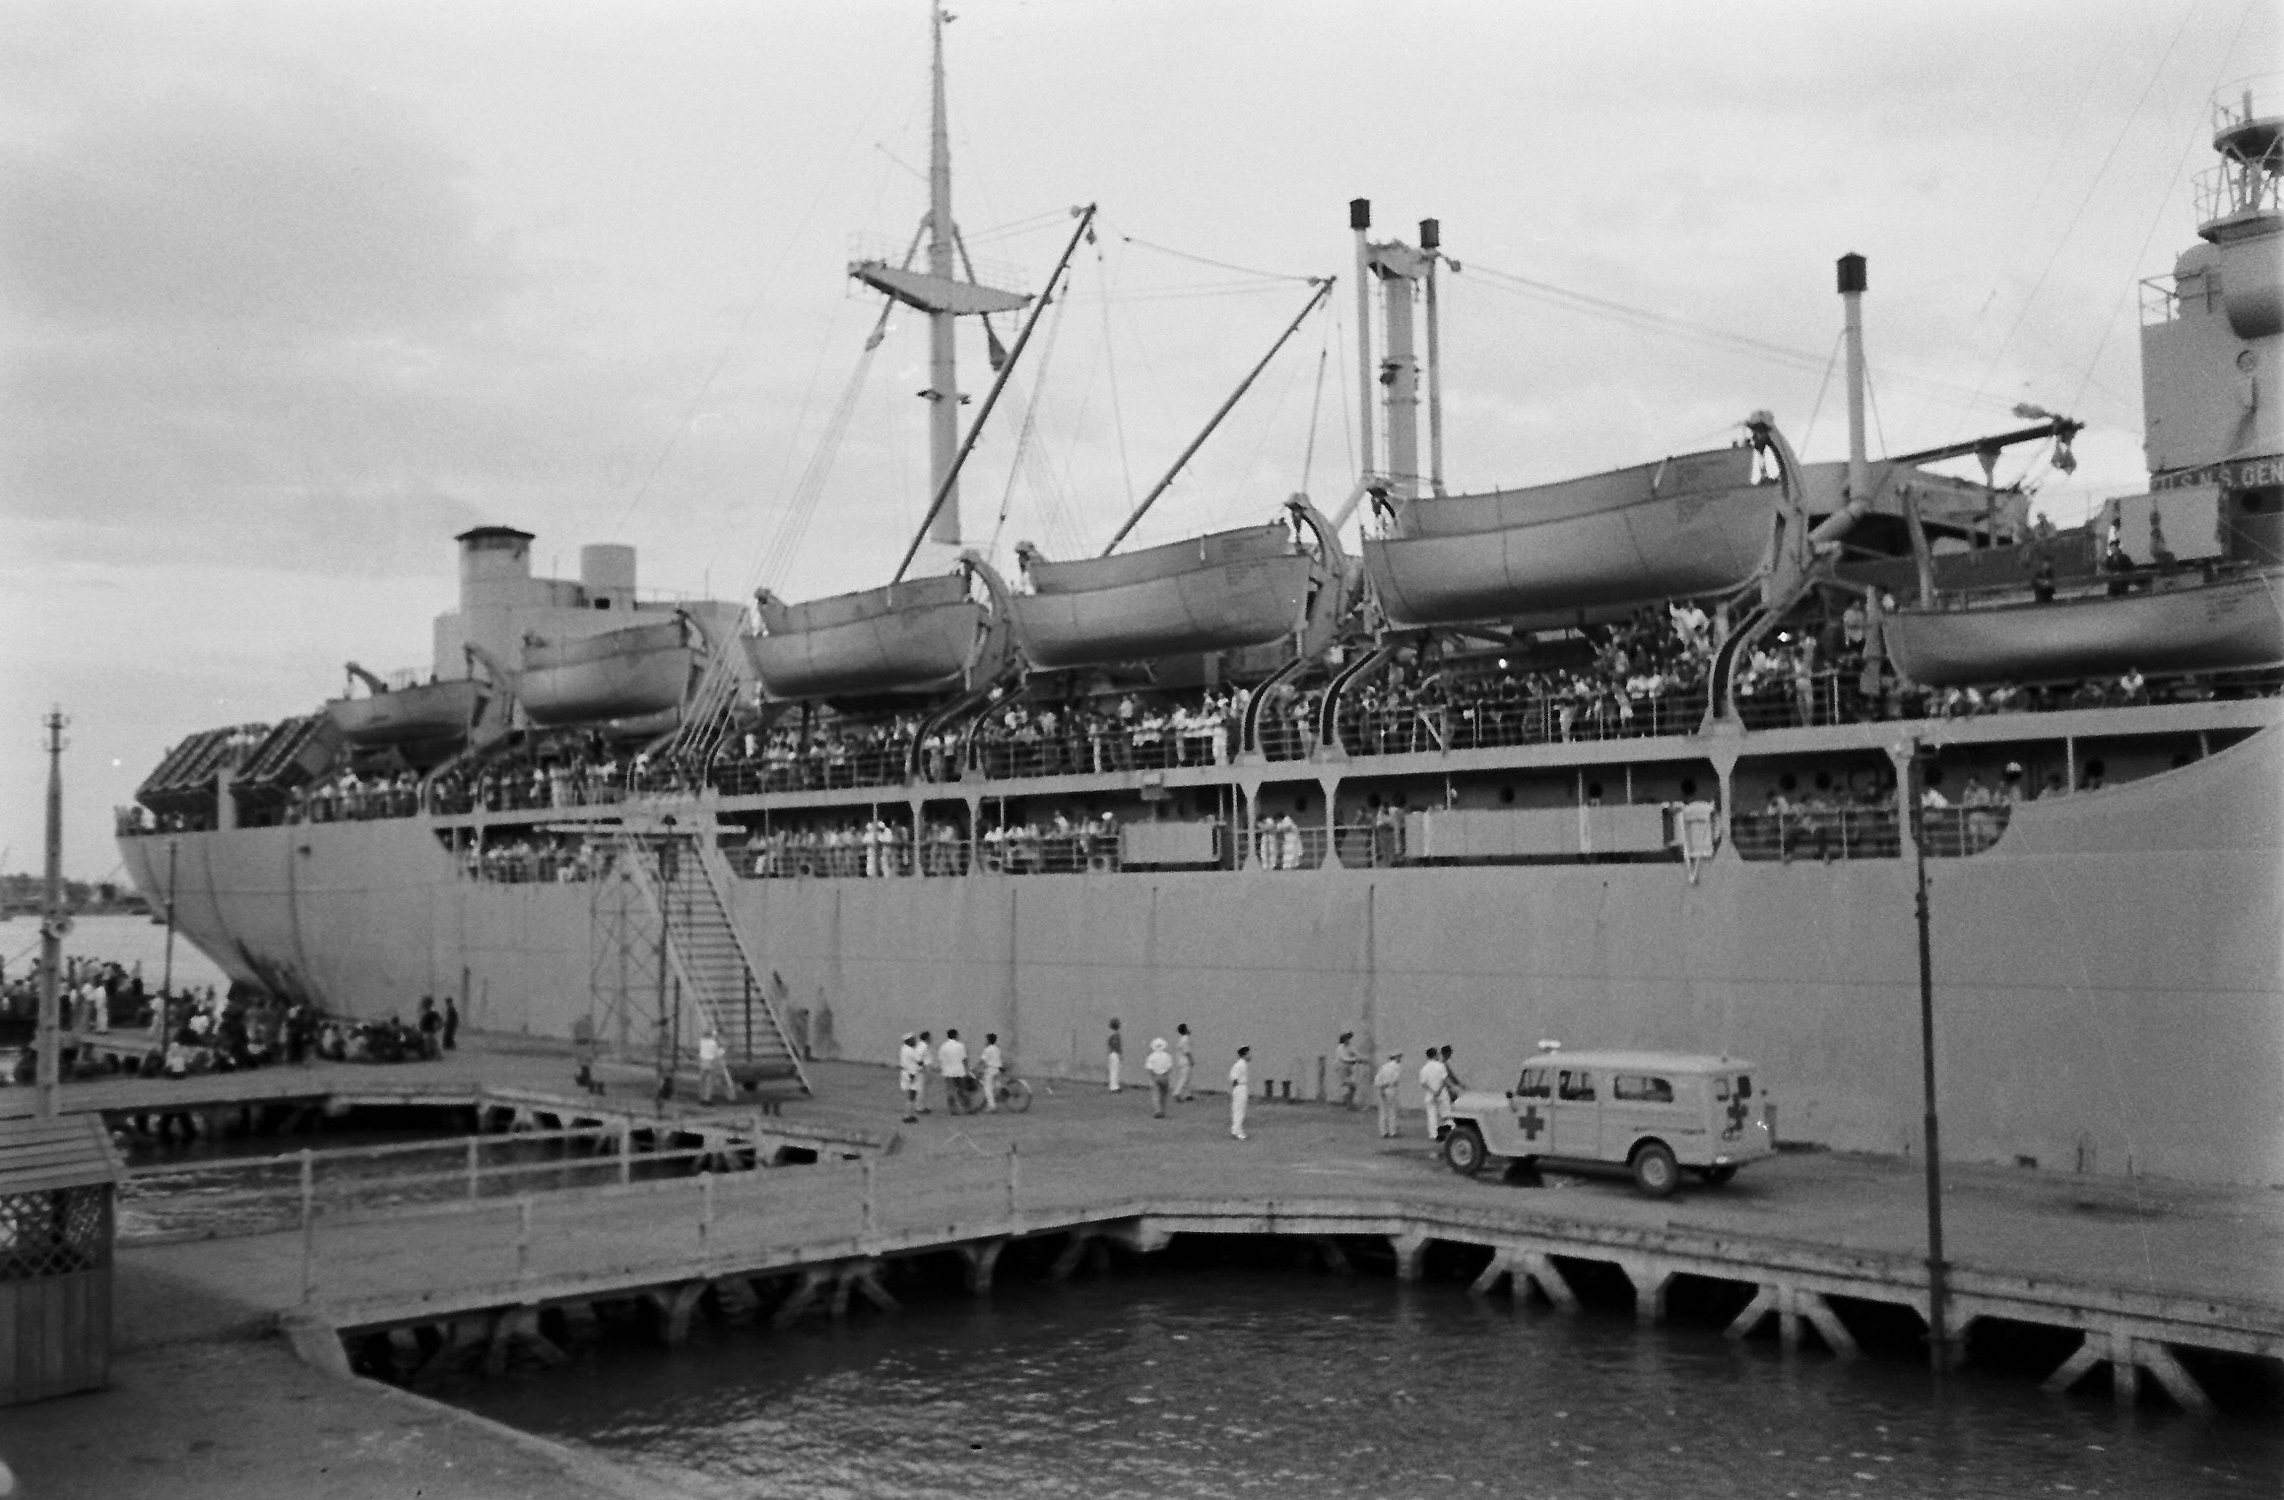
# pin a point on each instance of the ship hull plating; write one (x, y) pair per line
(2106, 978)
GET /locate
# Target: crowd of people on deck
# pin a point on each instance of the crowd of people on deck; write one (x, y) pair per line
(1646, 675)
(820, 753)
(112, 1025)
(878, 848)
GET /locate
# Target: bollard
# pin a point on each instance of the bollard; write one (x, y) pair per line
(1014, 1177)
(308, 1226)
(626, 1150)
(523, 1237)
(705, 1209)
(869, 1208)
(1321, 1096)
(473, 1143)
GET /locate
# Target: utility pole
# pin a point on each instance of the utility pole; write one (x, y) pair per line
(1938, 1291)
(52, 919)
(166, 980)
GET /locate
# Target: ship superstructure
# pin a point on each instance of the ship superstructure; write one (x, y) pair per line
(1618, 760)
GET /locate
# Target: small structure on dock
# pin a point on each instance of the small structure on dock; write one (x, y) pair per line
(58, 1181)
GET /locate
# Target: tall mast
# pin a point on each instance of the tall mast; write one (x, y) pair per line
(945, 298)
(943, 363)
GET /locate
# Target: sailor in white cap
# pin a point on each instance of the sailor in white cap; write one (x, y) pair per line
(1386, 1082)
(1159, 1065)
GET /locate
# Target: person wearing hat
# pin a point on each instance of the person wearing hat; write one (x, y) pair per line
(1389, 1079)
(1159, 1065)
(910, 1059)
(1240, 1088)
(2011, 791)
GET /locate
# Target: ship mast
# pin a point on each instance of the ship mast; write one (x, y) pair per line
(944, 297)
(943, 358)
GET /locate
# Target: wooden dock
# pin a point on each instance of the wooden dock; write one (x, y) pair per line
(490, 1280)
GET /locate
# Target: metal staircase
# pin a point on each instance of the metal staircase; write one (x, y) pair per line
(685, 882)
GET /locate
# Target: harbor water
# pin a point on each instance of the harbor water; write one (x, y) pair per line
(131, 941)
(1225, 1380)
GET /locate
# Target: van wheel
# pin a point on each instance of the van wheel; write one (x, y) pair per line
(1719, 1175)
(1655, 1171)
(1463, 1150)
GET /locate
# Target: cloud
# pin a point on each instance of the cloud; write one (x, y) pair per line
(256, 306)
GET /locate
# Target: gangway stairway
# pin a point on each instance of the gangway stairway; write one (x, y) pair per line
(684, 882)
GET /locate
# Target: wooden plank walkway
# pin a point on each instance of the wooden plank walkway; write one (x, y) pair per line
(1805, 1233)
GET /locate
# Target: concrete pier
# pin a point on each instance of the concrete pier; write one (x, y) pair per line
(1818, 1252)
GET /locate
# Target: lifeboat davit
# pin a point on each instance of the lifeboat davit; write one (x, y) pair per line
(2184, 625)
(1223, 592)
(1695, 524)
(918, 638)
(432, 713)
(614, 674)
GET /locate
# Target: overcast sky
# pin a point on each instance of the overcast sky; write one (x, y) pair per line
(290, 293)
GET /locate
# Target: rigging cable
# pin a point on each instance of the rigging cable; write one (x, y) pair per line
(826, 181)
(1837, 340)
(2022, 312)
(2157, 219)
(1219, 265)
(1110, 358)
(1316, 406)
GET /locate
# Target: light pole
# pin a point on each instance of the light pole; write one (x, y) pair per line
(1938, 1293)
(52, 919)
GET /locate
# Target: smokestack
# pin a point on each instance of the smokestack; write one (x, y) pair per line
(1852, 283)
(1431, 243)
(1359, 220)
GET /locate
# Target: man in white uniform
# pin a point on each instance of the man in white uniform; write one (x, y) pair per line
(1434, 1076)
(1116, 1052)
(1240, 1089)
(952, 1062)
(1182, 1063)
(993, 1065)
(713, 1068)
(910, 1060)
(1386, 1082)
(1159, 1065)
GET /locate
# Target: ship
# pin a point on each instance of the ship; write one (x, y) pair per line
(1643, 759)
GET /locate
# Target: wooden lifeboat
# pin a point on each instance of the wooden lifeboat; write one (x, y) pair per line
(1223, 592)
(614, 674)
(923, 637)
(432, 713)
(2180, 624)
(1699, 523)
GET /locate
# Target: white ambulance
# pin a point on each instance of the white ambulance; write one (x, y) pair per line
(1658, 1114)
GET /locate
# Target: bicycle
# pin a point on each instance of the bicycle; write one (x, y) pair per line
(1013, 1095)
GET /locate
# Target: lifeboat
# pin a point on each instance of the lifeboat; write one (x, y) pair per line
(1696, 524)
(1223, 592)
(927, 636)
(2178, 625)
(432, 713)
(614, 674)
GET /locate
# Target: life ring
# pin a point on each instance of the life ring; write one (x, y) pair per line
(805, 866)
(1100, 863)
(992, 858)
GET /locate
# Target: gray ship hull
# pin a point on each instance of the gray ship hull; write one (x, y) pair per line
(2106, 978)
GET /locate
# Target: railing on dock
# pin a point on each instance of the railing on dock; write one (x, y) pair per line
(224, 1197)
